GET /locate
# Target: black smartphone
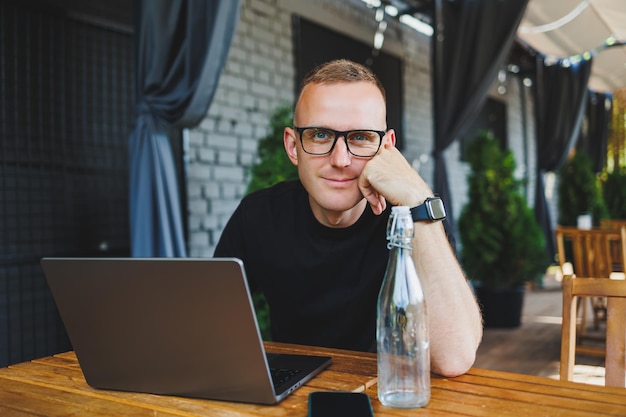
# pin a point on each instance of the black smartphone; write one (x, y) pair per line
(339, 404)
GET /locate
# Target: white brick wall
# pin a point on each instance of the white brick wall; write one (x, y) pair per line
(259, 76)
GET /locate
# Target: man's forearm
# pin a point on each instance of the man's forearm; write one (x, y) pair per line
(454, 317)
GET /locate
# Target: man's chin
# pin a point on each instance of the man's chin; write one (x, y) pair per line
(343, 205)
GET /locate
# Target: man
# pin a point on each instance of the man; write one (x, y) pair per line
(316, 247)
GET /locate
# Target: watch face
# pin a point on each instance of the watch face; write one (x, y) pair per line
(436, 209)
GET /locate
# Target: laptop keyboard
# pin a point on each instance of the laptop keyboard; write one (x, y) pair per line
(282, 375)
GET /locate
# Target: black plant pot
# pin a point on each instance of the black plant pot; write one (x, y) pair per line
(501, 307)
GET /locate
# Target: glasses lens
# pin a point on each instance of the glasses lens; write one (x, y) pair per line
(363, 142)
(319, 141)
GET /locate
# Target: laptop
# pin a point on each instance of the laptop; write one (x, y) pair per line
(171, 326)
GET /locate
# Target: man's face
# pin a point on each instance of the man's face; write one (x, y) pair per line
(331, 180)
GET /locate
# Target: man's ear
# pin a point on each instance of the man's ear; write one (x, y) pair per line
(291, 145)
(390, 137)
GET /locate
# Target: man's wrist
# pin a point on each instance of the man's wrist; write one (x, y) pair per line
(431, 210)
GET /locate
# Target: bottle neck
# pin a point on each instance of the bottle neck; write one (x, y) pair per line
(399, 242)
(400, 230)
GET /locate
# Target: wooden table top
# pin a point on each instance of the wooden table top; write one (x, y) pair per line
(55, 386)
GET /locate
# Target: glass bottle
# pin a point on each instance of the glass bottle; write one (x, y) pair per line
(402, 326)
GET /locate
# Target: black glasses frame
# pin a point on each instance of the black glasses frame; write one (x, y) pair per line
(339, 133)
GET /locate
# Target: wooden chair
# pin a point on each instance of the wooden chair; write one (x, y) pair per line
(615, 292)
(591, 253)
(591, 250)
(614, 224)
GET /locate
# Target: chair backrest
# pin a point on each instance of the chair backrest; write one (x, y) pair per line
(614, 224)
(615, 292)
(596, 252)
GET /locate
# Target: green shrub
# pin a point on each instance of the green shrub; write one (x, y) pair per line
(273, 165)
(614, 193)
(502, 244)
(579, 191)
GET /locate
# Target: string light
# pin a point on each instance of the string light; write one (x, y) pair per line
(406, 19)
(557, 23)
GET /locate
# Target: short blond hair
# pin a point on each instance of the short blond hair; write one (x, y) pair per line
(341, 71)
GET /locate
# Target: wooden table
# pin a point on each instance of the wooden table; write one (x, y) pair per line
(54, 386)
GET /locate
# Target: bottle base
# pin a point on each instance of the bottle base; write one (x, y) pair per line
(403, 399)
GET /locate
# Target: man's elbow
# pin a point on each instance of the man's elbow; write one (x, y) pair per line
(454, 366)
(454, 356)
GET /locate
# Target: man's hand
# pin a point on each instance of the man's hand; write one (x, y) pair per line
(388, 176)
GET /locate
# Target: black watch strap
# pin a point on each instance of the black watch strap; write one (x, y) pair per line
(432, 210)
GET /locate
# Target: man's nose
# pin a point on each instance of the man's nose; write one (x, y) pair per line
(340, 156)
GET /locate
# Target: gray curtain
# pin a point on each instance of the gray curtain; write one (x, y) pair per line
(593, 140)
(470, 43)
(560, 101)
(181, 47)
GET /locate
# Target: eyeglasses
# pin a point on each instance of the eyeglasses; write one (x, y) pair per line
(322, 140)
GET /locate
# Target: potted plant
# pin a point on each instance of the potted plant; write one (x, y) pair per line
(272, 166)
(579, 191)
(503, 247)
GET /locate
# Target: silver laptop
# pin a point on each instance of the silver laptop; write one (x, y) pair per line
(174, 326)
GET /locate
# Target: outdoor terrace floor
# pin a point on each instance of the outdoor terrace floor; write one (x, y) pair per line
(534, 347)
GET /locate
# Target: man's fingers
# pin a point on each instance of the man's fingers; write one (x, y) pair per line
(373, 197)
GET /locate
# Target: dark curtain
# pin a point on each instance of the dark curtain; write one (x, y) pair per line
(593, 139)
(560, 99)
(471, 40)
(181, 47)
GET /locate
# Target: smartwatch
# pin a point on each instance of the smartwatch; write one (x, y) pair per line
(431, 211)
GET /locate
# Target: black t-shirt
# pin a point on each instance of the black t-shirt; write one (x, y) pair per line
(321, 283)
